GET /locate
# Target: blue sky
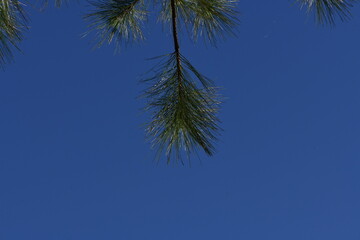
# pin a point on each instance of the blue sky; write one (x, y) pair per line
(74, 163)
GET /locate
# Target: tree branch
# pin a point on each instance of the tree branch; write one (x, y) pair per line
(176, 42)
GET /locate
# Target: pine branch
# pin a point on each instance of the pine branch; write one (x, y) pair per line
(211, 19)
(176, 43)
(118, 20)
(12, 23)
(184, 118)
(214, 19)
(326, 11)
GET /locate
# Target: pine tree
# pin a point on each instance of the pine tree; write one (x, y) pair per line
(183, 102)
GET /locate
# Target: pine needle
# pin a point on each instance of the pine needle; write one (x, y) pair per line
(183, 110)
(326, 11)
(117, 20)
(210, 19)
(12, 23)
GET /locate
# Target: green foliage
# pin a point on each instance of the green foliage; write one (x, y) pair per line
(118, 20)
(327, 11)
(183, 104)
(211, 19)
(12, 22)
(214, 18)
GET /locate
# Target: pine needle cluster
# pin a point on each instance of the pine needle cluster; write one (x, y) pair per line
(183, 113)
(12, 22)
(118, 21)
(326, 11)
(211, 19)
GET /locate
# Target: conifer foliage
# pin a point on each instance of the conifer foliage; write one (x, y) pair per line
(326, 11)
(13, 23)
(182, 102)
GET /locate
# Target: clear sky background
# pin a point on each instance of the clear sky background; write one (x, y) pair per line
(74, 163)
